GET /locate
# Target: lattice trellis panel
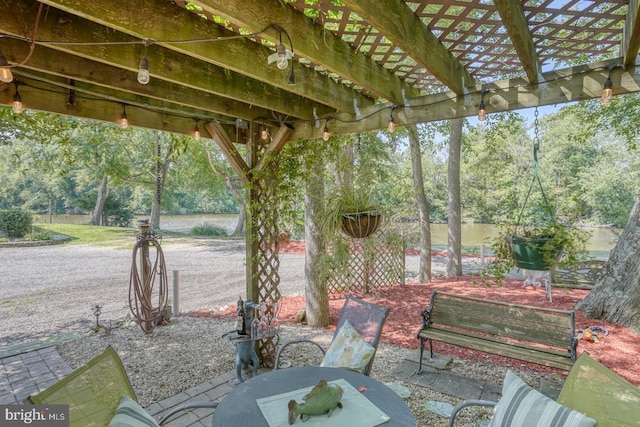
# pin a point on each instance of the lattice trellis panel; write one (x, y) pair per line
(265, 216)
(376, 262)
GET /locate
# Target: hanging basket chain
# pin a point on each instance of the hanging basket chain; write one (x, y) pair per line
(536, 178)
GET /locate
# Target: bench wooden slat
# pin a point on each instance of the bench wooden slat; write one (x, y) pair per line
(502, 349)
(534, 334)
(512, 322)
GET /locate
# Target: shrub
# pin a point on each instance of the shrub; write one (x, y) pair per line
(208, 230)
(15, 223)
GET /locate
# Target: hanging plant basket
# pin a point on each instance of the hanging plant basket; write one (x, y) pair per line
(534, 253)
(362, 224)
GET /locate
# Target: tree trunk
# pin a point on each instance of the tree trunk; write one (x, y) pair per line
(454, 240)
(424, 274)
(616, 295)
(101, 199)
(234, 185)
(317, 298)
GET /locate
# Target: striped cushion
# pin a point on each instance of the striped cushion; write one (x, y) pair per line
(130, 414)
(522, 406)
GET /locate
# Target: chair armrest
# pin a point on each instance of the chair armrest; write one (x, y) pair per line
(288, 343)
(471, 402)
(186, 407)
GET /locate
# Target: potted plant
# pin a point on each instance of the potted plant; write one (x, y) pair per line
(536, 248)
(354, 211)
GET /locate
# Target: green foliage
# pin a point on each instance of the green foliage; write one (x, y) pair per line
(42, 235)
(15, 223)
(343, 201)
(208, 230)
(565, 245)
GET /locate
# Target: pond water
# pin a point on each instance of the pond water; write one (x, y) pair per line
(473, 235)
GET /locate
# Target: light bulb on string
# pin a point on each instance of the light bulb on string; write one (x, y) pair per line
(392, 124)
(607, 89)
(6, 75)
(143, 69)
(143, 72)
(482, 110)
(326, 134)
(124, 122)
(264, 133)
(282, 62)
(17, 100)
(196, 131)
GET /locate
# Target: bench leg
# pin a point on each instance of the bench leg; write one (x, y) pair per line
(422, 343)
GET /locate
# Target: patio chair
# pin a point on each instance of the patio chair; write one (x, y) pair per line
(358, 332)
(99, 392)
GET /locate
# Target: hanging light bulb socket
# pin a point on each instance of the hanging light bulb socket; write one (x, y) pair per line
(124, 121)
(17, 106)
(392, 124)
(282, 55)
(482, 110)
(325, 133)
(607, 88)
(6, 76)
(264, 133)
(143, 69)
(196, 131)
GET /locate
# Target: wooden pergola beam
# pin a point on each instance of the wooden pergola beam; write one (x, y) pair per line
(282, 136)
(221, 138)
(61, 64)
(399, 23)
(167, 65)
(512, 14)
(237, 55)
(557, 87)
(312, 42)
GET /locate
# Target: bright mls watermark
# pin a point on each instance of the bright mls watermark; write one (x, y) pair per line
(34, 415)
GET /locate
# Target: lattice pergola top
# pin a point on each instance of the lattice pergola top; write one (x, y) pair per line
(356, 62)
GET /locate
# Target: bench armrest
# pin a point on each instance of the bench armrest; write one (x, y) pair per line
(471, 402)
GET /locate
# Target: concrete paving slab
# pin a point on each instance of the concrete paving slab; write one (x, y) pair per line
(406, 370)
(457, 386)
(491, 392)
(550, 389)
(438, 361)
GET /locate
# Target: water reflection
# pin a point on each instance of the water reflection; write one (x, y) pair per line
(473, 235)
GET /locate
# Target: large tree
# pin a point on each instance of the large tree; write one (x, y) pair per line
(616, 294)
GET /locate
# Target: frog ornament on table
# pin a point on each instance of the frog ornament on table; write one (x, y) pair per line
(322, 399)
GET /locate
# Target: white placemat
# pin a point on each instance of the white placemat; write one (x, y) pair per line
(357, 410)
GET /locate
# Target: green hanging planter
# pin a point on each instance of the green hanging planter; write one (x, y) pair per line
(533, 253)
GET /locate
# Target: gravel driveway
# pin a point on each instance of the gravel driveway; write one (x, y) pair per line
(46, 290)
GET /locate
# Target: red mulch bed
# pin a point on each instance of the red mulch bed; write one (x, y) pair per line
(618, 351)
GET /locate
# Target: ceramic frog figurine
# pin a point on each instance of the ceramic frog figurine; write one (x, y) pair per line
(322, 399)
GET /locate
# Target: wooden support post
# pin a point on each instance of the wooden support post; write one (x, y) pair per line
(145, 271)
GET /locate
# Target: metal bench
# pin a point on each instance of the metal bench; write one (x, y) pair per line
(539, 335)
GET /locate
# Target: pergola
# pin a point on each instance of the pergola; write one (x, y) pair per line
(347, 66)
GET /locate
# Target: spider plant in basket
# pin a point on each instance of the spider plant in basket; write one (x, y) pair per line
(354, 211)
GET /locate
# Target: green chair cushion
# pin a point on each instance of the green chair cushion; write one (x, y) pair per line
(598, 392)
(93, 391)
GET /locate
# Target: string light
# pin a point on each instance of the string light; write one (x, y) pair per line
(6, 75)
(482, 111)
(143, 70)
(607, 89)
(326, 134)
(392, 124)
(264, 134)
(196, 131)
(282, 55)
(17, 100)
(124, 122)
